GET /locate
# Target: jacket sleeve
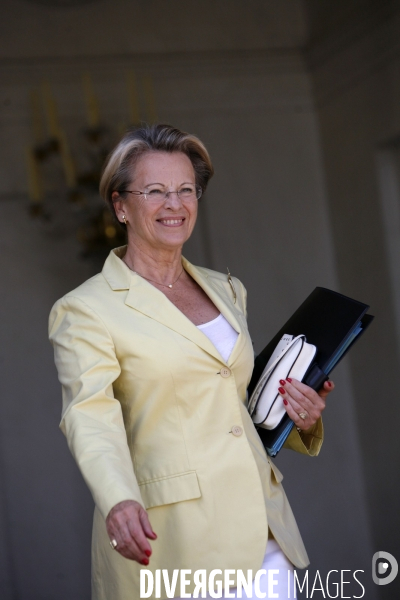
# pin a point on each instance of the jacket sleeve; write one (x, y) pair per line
(92, 419)
(308, 441)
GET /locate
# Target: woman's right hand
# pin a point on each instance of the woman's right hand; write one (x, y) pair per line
(128, 524)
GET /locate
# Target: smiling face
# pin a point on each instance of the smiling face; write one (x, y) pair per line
(159, 225)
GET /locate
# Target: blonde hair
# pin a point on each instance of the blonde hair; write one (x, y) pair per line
(117, 171)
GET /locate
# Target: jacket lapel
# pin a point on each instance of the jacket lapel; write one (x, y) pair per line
(219, 291)
(148, 300)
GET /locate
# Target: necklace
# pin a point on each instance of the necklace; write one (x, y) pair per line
(169, 285)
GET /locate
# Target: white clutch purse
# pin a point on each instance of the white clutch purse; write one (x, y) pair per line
(291, 358)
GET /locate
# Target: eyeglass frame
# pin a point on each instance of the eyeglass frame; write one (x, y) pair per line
(199, 193)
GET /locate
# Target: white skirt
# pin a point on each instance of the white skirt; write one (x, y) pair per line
(273, 585)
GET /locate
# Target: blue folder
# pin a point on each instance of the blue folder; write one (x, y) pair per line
(331, 322)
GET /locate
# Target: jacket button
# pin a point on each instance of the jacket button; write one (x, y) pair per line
(237, 431)
(225, 372)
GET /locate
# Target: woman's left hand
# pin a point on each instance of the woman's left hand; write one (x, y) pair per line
(303, 405)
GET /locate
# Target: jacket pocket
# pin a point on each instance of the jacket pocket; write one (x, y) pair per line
(168, 490)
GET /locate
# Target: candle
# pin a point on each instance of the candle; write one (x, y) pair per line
(148, 89)
(92, 105)
(35, 185)
(67, 161)
(133, 101)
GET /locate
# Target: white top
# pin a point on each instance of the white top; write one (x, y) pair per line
(221, 334)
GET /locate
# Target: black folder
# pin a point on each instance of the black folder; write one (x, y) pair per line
(331, 322)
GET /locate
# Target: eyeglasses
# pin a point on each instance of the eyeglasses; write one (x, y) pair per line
(188, 193)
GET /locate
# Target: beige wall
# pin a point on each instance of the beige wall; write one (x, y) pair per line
(358, 95)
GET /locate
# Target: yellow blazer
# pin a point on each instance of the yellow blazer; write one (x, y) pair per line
(148, 410)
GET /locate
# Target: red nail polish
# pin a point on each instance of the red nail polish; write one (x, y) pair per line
(281, 390)
(145, 561)
(284, 401)
(282, 381)
(147, 552)
(289, 379)
(329, 383)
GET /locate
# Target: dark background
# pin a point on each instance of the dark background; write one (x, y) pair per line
(298, 103)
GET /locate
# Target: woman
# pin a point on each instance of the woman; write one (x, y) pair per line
(154, 357)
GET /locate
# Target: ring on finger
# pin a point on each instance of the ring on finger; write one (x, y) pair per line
(303, 415)
(113, 544)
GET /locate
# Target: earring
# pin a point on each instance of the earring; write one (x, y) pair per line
(124, 219)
